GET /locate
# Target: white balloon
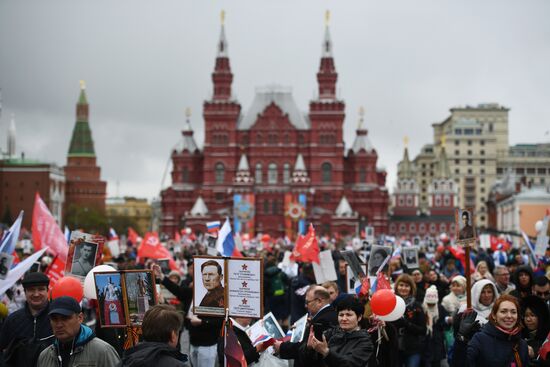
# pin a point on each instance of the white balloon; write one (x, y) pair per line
(538, 226)
(397, 312)
(89, 283)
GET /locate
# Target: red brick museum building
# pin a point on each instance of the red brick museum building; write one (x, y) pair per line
(274, 168)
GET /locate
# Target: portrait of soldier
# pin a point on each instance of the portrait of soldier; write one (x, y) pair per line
(466, 229)
(212, 278)
(84, 261)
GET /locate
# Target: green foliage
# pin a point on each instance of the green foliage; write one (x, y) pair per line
(89, 219)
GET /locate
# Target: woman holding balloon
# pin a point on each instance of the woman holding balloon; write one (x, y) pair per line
(412, 326)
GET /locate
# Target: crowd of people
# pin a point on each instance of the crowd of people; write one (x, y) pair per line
(508, 323)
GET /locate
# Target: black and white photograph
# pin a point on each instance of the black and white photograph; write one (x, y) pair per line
(352, 282)
(298, 330)
(377, 256)
(5, 264)
(84, 252)
(465, 225)
(272, 326)
(410, 256)
(209, 285)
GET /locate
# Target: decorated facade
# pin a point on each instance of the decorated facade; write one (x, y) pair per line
(274, 168)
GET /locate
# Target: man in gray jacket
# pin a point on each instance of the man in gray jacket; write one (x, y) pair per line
(75, 344)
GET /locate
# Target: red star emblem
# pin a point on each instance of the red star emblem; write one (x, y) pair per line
(245, 284)
(244, 301)
(244, 267)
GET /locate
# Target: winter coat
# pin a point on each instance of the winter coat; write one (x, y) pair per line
(411, 328)
(298, 287)
(87, 351)
(346, 349)
(153, 354)
(323, 320)
(490, 347)
(452, 303)
(434, 348)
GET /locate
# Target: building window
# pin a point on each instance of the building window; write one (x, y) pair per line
(468, 131)
(274, 207)
(491, 127)
(482, 171)
(438, 200)
(499, 171)
(402, 228)
(220, 173)
(326, 172)
(469, 161)
(259, 139)
(482, 142)
(286, 173)
(447, 200)
(266, 206)
(458, 131)
(469, 152)
(326, 197)
(362, 174)
(392, 228)
(422, 228)
(432, 227)
(401, 201)
(482, 161)
(442, 227)
(541, 171)
(457, 152)
(301, 139)
(469, 171)
(272, 174)
(258, 174)
(409, 201)
(457, 161)
(457, 171)
(272, 138)
(219, 197)
(412, 228)
(469, 142)
(520, 171)
(530, 171)
(457, 142)
(482, 152)
(185, 174)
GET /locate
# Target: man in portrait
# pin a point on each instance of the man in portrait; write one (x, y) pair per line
(86, 259)
(467, 231)
(212, 278)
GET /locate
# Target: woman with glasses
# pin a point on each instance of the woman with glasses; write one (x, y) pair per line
(346, 345)
(536, 322)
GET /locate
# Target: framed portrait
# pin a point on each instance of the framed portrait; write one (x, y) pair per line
(108, 287)
(139, 294)
(245, 287)
(209, 287)
(298, 330)
(352, 282)
(377, 256)
(5, 264)
(272, 326)
(164, 265)
(85, 252)
(410, 257)
(465, 225)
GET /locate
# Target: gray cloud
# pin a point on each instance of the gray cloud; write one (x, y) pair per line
(144, 62)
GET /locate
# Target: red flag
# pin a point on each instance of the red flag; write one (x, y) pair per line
(55, 271)
(234, 355)
(382, 282)
(152, 248)
(132, 236)
(177, 237)
(460, 254)
(365, 287)
(307, 248)
(46, 231)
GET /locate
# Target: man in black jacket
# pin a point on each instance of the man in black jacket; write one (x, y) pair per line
(27, 331)
(161, 329)
(322, 316)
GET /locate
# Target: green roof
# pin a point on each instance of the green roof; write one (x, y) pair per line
(82, 144)
(21, 162)
(82, 99)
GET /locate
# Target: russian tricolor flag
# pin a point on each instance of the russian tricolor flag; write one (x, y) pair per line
(225, 243)
(212, 227)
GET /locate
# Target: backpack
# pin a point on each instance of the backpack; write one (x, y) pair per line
(278, 284)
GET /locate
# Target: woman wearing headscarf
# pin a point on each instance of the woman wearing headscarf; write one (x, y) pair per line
(457, 297)
(499, 342)
(536, 322)
(484, 295)
(412, 326)
(523, 279)
(482, 272)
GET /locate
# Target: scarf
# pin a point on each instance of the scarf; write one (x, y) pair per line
(432, 314)
(513, 332)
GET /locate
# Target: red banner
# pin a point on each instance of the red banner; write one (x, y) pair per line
(152, 248)
(307, 247)
(46, 231)
(55, 271)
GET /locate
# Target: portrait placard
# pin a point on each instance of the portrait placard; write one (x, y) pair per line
(139, 294)
(353, 282)
(85, 252)
(5, 264)
(298, 330)
(377, 256)
(164, 265)
(353, 262)
(272, 326)
(245, 287)
(410, 256)
(465, 226)
(257, 333)
(108, 287)
(209, 286)
(325, 271)
(369, 234)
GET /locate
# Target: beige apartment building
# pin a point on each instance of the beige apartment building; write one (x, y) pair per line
(129, 211)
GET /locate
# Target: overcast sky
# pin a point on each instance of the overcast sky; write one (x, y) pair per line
(407, 62)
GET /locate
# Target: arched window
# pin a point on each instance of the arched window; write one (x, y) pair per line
(259, 138)
(258, 173)
(326, 172)
(362, 174)
(220, 173)
(272, 174)
(286, 173)
(274, 207)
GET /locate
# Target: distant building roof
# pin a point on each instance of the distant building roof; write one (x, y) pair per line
(344, 208)
(280, 96)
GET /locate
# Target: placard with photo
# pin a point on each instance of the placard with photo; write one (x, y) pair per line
(164, 265)
(139, 294)
(465, 225)
(298, 330)
(377, 256)
(410, 256)
(353, 282)
(108, 286)
(85, 251)
(245, 287)
(5, 264)
(209, 286)
(257, 333)
(272, 326)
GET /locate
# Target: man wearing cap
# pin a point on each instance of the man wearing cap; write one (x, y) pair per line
(27, 331)
(75, 344)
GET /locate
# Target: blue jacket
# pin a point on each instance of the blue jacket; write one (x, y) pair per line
(491, 347)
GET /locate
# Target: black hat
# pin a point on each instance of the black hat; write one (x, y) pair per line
(35, 278)
(64, 305)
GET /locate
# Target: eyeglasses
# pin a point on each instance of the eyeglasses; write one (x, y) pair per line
(308, 302)
(542, 294)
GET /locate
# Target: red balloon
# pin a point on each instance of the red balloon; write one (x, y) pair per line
(68, 286)
(266, 238)
(383, 302)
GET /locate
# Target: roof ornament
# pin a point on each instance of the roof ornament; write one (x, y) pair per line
(361, 117)
(82, 85)
(222, 17)
(327, 17)
(406, 141)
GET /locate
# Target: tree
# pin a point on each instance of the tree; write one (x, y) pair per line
(89, 219)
